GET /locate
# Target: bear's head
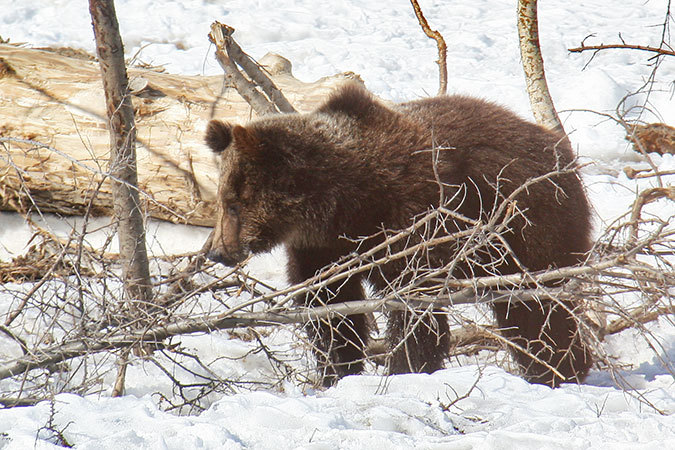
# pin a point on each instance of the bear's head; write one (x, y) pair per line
(278, 175)
(243, 222)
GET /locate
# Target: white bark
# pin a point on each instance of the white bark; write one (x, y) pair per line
(533, 65)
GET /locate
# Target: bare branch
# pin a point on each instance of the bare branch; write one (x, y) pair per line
(228, 54)
(658, 51)
(442, 47)
(637, 316)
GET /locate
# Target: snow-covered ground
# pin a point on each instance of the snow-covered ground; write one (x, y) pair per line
(382, 42)
(365, 412)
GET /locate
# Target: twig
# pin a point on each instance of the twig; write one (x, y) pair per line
(10, 402)
(440, 43)
(646, 48)
(636, 316)
(78, 347)
(645, 197)
(640, 173)
(11, 316)
(446, 406)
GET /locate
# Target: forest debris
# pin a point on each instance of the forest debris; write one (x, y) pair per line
(54, 142)
(653, 137)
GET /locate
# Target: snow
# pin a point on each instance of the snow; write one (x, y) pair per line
(406, 411)
(382, 42)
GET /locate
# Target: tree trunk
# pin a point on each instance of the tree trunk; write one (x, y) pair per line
(120, 113)
(533, 65)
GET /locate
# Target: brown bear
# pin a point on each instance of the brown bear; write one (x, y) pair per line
(320, 182)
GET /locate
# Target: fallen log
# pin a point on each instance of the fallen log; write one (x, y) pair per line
(54, 141)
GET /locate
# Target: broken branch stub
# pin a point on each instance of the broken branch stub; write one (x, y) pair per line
(229, 54)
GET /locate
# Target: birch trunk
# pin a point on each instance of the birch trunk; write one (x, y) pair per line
(533, 65)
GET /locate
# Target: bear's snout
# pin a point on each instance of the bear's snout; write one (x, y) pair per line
(219, 256)
(223, 245)
(216, 256)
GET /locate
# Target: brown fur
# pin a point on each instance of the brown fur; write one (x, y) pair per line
(356, 165)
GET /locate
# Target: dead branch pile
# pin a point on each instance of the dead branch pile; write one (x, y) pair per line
(68, 326)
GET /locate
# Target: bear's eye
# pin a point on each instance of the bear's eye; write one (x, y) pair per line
(233, 210)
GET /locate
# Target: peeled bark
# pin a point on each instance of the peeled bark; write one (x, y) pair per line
(120, 113)
(54, 143)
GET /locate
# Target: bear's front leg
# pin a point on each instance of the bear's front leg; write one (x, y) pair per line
(419, 342)
(337, 343)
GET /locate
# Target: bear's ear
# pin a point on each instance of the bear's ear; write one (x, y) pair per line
(246, 141)
(353, 100)
(218, 135)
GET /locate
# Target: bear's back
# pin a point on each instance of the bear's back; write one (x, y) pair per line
(469, 123)
(486, 148)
